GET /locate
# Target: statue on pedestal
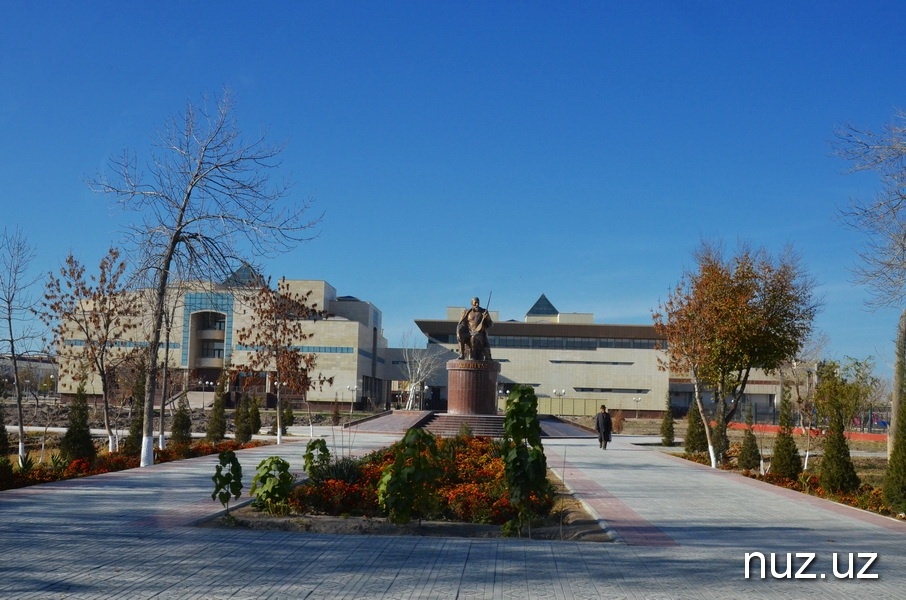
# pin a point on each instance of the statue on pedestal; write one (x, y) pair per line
(472, 333)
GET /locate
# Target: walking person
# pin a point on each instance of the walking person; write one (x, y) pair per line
(604, 426)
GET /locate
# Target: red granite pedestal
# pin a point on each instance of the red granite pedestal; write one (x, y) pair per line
(472, 387)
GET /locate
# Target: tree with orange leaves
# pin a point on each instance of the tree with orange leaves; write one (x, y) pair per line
(730, 316)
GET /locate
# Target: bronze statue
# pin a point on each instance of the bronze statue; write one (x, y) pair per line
(472, 333)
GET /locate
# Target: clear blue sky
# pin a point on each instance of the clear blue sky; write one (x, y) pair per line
(578, 150)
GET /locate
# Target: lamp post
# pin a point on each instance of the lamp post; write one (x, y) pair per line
(207, 384)
(636, 400)
(424, 390)
(559, 395)
(353, 389)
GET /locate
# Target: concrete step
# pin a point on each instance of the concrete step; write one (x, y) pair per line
(447, 425)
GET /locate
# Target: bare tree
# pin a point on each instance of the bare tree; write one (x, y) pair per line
(281, 320)
(421, 364)
(16, 304)
(100, 314)
(801, 374)
(881, 264)
(207, 205)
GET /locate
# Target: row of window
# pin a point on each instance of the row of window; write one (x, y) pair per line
(562, 343)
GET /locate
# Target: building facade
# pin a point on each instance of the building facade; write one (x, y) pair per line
(203, 341)
(576, 365)
(573, 364)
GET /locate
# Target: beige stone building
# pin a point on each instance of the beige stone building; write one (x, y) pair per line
(575, 364)
(203, 341)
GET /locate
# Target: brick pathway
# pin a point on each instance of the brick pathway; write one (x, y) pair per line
(683, 532)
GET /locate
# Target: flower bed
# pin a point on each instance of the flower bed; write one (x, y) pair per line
(111, 461)
(470, 485)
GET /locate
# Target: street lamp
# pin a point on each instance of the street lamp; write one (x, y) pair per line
(424, 390)
(353, 389)
(207, 384)
(559, 395)
(636, 400)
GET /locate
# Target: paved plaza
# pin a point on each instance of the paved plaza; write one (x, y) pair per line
(681, 530)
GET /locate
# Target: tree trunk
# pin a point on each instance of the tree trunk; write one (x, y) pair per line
(899, 379)
(697, 387)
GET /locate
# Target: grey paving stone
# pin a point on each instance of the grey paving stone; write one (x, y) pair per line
(130, 535)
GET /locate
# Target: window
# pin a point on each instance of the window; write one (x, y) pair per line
(211, 349)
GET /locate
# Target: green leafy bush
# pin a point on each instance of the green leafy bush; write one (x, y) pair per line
(271, 485)
(406, 486)
(227, 479)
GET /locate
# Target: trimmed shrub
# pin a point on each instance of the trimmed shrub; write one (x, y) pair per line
(216, 428)
(242, 421)
(181, 429)
(255, 415)
(696, 441)
(749, 456)
(837, 472)
(667, 433)
(133, 442)
(77, 442)
(785, 461)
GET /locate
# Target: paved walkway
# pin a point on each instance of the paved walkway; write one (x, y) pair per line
(683, 531)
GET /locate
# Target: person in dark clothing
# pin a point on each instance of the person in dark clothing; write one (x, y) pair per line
(604, 426)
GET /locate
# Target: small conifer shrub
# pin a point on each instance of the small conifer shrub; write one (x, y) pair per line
(837, 472)
(667, 433)
(77, 442)
(695, 441)
(786, 461)
(181, 429)
(749, 456)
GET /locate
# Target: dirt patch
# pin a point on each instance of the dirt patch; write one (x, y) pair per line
(568, 521)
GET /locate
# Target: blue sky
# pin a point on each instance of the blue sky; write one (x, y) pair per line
(580, 150)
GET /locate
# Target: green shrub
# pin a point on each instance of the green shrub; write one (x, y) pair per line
(271, 485)
(836, 472)
(696, 441)
(255, 415)
(133, 442)
(6, 473)
(77, 442)
(242, 421)
(181, 428)
(785, 460)
(749, 456)
(216, 428)
(406, 489)
(345, 468)
(227, 479)
(316, 458)
(667, 433)
(525, 465)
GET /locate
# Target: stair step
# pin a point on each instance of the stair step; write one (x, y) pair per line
(446, 425)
